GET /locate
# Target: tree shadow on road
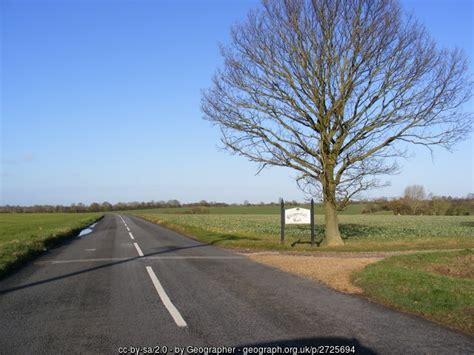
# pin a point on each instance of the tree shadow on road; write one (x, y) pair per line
(95, 268)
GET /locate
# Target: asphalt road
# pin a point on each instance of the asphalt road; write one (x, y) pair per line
(96, 294)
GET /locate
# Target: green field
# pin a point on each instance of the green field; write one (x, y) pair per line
(438, 285)
(362, 232)
(24, 235)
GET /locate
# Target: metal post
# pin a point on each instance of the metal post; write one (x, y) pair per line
(282, 227)
(312, 222)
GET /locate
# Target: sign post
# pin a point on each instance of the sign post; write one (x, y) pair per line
(282, 229)
(296, 216)
(312, 222)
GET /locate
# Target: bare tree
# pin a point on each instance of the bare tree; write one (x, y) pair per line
(335, 89)
(414, 196)
(415, 192)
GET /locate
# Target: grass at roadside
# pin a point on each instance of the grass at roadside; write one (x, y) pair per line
(25, 235)
(361, 232)
(438, 285)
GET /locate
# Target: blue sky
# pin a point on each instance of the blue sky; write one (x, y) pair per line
(101, 102)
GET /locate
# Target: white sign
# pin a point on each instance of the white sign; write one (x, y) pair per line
(297, 216)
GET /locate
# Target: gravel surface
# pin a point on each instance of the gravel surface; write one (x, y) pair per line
(333, 271)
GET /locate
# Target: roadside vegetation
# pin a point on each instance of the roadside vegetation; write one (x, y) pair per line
(361, 232)
(24, 236)
(438, 285)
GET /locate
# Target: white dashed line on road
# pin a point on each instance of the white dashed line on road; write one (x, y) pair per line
(131, 235)
(138, 249)
(178, 319)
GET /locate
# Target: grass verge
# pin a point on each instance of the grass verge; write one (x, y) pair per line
(24, 236)
(438, 286)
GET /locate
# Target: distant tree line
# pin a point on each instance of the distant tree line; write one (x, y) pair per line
(93, 207)
(415, 201)
(196, 207)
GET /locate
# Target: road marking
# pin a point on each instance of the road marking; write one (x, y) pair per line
(178, 319)
(48, 262)
(131, 235)
(128, 229)
(138, 249)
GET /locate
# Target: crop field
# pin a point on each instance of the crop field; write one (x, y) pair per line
(23, 235)
(361, 232)
(252, 209)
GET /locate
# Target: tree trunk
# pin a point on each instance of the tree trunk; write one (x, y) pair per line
(332, 236)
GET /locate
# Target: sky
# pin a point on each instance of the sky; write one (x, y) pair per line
(100, 101)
